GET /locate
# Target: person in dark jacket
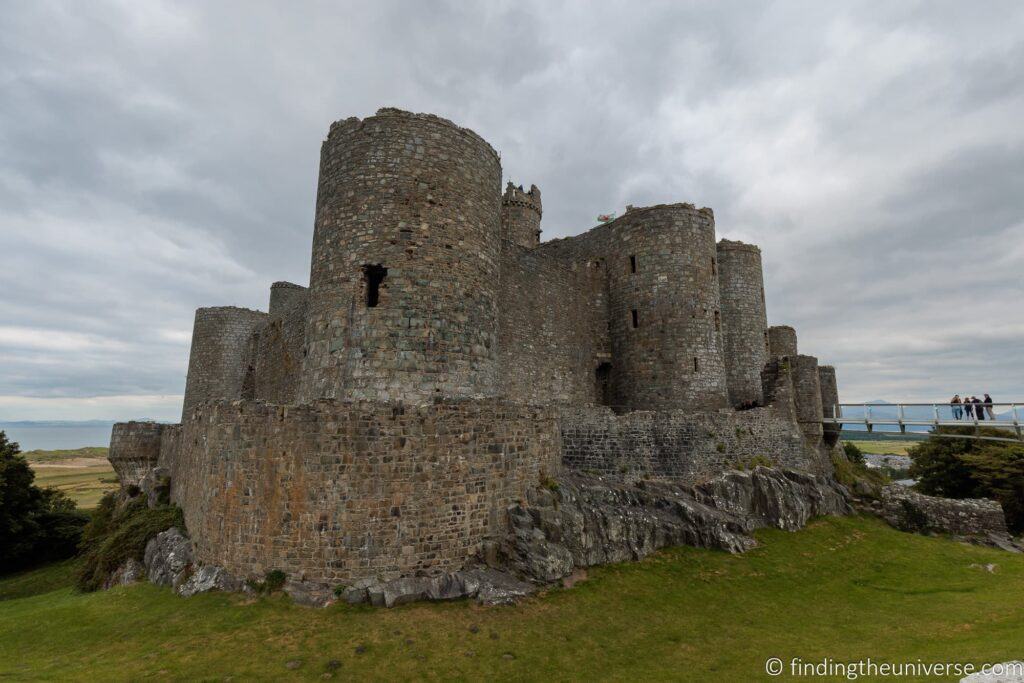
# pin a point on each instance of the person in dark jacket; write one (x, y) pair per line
(979, 408)
(988, 407)
(968, 407)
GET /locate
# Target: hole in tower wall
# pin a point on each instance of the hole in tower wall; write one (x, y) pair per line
(718, 321)
(696, 364)
(603, 383)
(373, 276)
(714, 270)
(636, 319)
(632, 264)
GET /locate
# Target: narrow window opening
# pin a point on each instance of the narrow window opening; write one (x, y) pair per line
(767, 346)
(713, 268)
(603, 381)
(762, 295)
(373, 275)
(632, 264)
(718, 322)
(696, 365)
(636, 320)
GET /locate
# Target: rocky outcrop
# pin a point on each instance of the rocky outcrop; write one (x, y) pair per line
(486, 586)
(156, 487)
(585, 521)
(168, 558)
(205, 579)
(978, 520)
(128, 573)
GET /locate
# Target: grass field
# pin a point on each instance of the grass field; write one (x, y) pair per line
(84, 474)
(884, 447)
(843, 588)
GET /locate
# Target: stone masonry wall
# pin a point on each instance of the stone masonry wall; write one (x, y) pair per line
(217, 366)
(744, 320)
(336, 492)
(548, 313)
(283, 295)
(781, 341)
(660, 265)
(520, 216)
(419, 197)
(807, 395)
(682, 446)
(829, 401)
(134, 450)
(275, 353)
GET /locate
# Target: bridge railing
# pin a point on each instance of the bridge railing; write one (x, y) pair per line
(903, 415)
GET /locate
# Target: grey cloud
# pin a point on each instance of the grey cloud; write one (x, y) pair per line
(156, 157)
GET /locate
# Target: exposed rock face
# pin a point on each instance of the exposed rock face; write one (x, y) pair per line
(128, 573)
(206, 579)
(156, 486)
(168, 558)
(487, 586)
(587, 521)
(979, 520)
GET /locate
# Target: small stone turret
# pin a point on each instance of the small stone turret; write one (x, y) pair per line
(781, 341)
(744, 323)
(520, 215)
(829, 401)
(283, 295)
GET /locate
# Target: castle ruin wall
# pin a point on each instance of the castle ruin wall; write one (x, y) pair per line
(807, 395)
(134, 450)
(338, 492)
(781, 341)
(829, 402)
(404, 277)
(744, 320)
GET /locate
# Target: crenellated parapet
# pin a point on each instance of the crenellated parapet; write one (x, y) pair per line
(521, 212)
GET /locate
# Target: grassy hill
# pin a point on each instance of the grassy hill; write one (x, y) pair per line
(843, 588)
(82, 473)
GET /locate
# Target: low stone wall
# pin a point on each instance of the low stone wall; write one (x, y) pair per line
(134, 450)
(336, 492)
(682, 446)
(911, 511)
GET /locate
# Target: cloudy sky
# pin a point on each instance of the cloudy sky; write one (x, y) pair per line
(156, 157)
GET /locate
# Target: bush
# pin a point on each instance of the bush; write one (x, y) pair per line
(968, 468)
(116, 535)
(36, 525)
(853, 453)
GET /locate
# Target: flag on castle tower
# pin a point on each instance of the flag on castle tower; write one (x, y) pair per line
(605, 217)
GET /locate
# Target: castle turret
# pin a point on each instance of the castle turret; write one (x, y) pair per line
(404, 276)
(520, 215)
(744, 323)
(217, 361)
(284, 295)
(829, 401)
(663, 306)
(781, 341)
(807, 395)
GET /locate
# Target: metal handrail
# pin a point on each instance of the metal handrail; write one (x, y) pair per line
(987, 419)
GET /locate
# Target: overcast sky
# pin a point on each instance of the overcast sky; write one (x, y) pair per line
(157, 157)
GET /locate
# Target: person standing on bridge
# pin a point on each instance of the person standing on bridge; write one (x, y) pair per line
(958, 411)
(979, 408)
(969, 407)
(988, 407)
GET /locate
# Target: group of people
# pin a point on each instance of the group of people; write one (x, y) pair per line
(973, 406)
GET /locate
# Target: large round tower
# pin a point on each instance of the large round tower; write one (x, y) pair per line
(744, 322)
(404, 274)
(663, 307)
(217, 360)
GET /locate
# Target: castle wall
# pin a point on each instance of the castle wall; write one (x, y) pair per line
(744, 321)
(217, 362)
(829, 401)
(552, 328)
(337, 492)
(682, 446)
(134, 450)
(420, 197)
(275, 352)
(284, 295)
(781, 341)
(660, 262)
(807, 394)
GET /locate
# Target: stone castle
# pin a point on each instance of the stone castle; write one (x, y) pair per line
(444, 362)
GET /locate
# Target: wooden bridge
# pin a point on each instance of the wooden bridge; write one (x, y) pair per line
(1001, 416)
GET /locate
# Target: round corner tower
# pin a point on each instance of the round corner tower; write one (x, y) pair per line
(829, 402)
(217, 360)
(744, 321)
(781, 341)
(521, 212)
(664, 316)
(404, 274)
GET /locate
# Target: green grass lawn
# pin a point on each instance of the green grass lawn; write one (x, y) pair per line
(884, 447)
(843, 588)
(84, 474)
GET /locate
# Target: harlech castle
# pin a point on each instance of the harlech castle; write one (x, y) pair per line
(445, 364)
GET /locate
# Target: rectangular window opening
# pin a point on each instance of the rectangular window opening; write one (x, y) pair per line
(373, 276)
(713, 271)
(718, 322)
(636, 319)
(696, 365)
(632, 264)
